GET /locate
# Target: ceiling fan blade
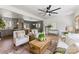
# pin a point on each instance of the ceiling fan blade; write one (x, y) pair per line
(56, 9)
(48, 8)
(44, 14)
(54, 13)
(41, 10)
(41, 13)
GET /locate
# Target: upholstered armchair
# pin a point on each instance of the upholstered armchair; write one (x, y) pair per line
(35, 32)
(20, 38)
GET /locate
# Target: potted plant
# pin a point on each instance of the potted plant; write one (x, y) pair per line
(2, 24)
(41, 37)
(65, 33)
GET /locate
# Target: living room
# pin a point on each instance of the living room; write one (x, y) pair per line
(39, 29)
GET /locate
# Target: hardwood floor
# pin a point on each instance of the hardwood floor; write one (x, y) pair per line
(6, 46)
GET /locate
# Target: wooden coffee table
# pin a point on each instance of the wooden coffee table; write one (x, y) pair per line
(39, 47)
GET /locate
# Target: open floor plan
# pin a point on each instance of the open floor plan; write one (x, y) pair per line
(39, 29)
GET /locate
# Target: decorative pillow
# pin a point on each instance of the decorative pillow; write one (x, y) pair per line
(20, 34)
(60, 50)
(72, 49)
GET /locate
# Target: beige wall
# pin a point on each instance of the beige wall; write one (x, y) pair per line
(60, 21)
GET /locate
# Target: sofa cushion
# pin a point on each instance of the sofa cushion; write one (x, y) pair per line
(62, 44)
(19, 34)
(72, 49)
(69, 41)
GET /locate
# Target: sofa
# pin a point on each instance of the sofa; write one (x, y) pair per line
(69, 46)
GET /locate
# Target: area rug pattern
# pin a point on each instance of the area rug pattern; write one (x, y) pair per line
(6, 47)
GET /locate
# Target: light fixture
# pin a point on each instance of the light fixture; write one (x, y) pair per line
(17, 23)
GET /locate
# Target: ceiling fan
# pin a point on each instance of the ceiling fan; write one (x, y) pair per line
(48, 10)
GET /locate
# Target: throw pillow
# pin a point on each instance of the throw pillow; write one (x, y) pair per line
(60, 50)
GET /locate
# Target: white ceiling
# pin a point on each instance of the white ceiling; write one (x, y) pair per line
(8, 13)
(65, 9)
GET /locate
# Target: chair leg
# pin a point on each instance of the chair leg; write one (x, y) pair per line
(16, 48)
